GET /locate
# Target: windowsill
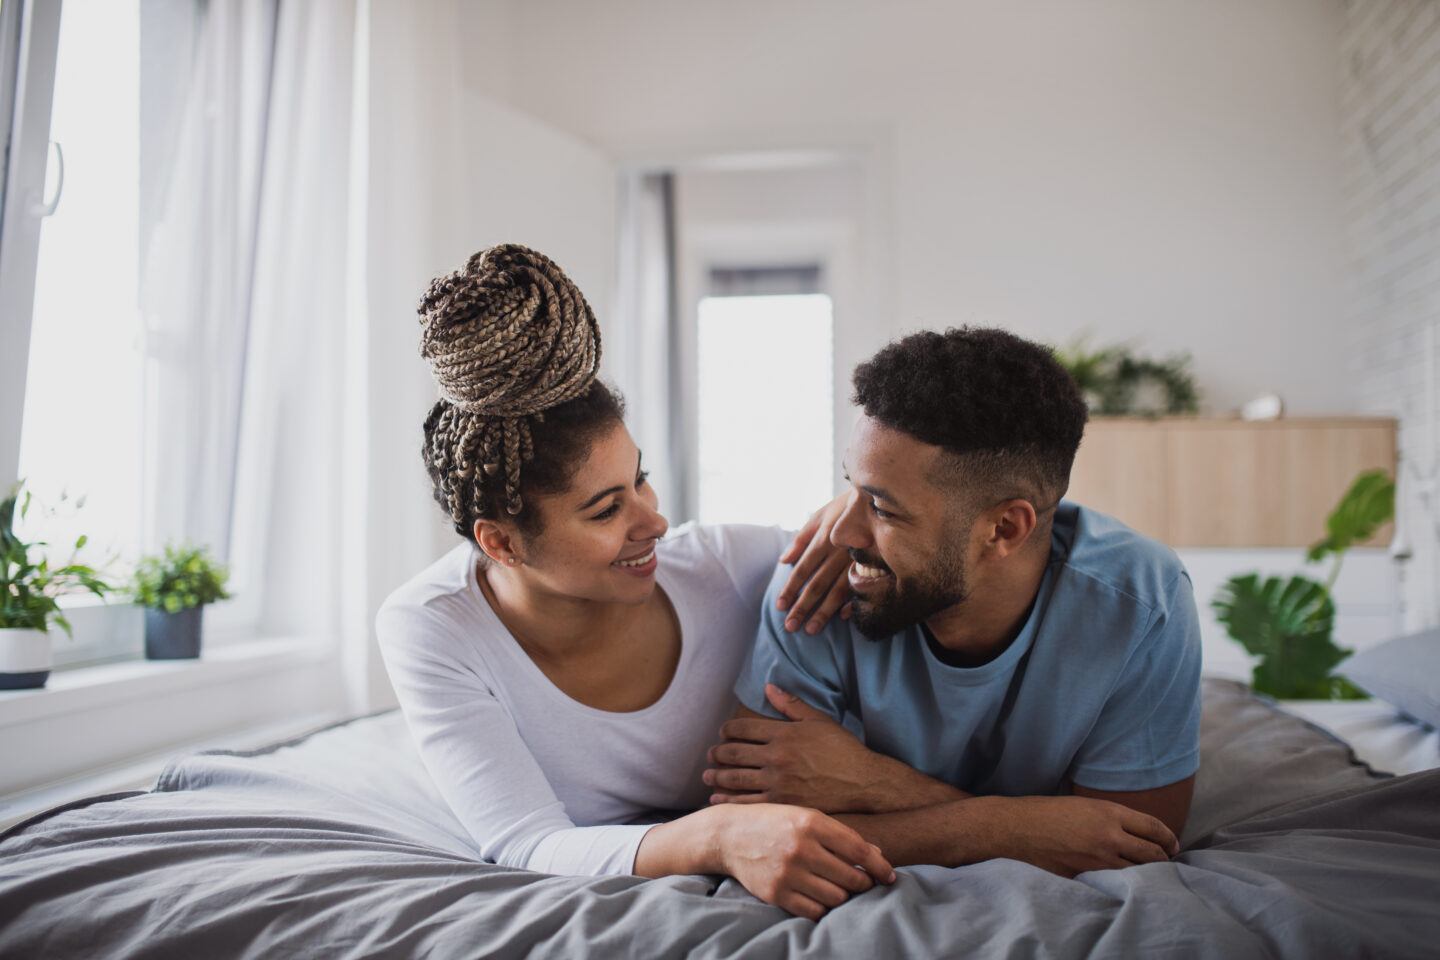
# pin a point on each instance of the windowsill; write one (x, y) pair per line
(82, 688)
(111, 629)
(113, 726)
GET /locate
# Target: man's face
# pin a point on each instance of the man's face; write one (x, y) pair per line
(908, 545)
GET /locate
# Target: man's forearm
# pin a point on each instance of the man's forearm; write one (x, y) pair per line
(1065, 835)
(948, 834)
(899, 787)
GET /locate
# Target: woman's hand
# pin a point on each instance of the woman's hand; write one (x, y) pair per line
(796, 858)
(818, 586)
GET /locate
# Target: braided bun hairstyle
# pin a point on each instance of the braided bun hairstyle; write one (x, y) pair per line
(514, 348)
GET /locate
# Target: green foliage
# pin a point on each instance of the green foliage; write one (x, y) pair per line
(1288, 623)
(1115, 381)
(29, 585)
(183, 577)
(1367, 506)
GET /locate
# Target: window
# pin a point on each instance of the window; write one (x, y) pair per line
(110, 359)
(766, 421)
(81, 431)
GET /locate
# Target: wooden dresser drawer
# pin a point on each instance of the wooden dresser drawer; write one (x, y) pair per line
(1206, 482)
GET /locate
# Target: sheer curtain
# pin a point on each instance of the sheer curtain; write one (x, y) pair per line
(245, 295)
(300, 468)
(200, 216)
(646, 363)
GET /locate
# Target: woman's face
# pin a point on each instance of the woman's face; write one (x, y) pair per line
(597, 540)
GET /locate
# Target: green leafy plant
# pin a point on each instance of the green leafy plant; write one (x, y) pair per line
(1288, 622)
(30, 587)
(180, 578)
(1367, 506)
(1115, 381)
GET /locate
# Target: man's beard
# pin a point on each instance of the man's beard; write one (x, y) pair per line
(941, 586)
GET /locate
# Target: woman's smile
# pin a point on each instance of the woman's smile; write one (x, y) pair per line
(640, 566)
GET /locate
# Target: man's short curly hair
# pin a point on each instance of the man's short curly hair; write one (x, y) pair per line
(1008, 415)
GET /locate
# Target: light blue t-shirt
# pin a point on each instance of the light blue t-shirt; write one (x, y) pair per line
(1101, 687)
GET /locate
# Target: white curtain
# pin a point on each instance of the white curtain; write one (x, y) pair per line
(251, 439)
(646, 364)
(198, 245)
(299, 468)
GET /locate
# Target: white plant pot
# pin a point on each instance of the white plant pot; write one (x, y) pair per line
(24, 658)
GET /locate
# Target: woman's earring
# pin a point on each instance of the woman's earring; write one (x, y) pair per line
(512, 561)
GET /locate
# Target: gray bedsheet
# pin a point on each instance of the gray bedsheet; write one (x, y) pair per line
(337, 846)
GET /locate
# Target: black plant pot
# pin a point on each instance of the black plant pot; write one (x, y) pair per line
(172, 636)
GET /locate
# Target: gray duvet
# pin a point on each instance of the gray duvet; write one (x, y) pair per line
(337, 846)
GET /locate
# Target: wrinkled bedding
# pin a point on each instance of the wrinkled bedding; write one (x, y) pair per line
(338, 846)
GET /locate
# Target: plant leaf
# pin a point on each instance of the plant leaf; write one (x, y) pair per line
(1366, 506)
(1288, 624)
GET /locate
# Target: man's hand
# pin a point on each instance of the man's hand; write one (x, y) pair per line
(1170, 804)
(812, 761)
(818, 586)
(1070, 835)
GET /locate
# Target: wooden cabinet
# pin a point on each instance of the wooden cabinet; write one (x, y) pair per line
(1203, 482)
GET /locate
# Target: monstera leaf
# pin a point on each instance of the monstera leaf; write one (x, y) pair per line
(1287, 623)
(1365, 508)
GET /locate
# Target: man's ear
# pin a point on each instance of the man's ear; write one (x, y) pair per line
(1012, 523)
(496, 542)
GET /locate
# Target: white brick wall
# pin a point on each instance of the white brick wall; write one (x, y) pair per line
(1390, 119)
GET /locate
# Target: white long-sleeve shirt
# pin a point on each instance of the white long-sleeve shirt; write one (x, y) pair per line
(539, 779)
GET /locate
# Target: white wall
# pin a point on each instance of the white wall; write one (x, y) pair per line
(784, 216)
(451, 171)
(1160, 169)
(1391, 112)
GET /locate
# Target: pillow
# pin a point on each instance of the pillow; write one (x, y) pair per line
(1404, 672)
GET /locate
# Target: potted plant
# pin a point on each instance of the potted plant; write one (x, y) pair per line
(173, 588)
(1117, 381)
(29, 588)
(1287, 622)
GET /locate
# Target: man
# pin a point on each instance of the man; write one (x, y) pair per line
(1020, 675)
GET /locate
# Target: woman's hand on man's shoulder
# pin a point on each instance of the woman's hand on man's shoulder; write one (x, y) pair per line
(818, 586)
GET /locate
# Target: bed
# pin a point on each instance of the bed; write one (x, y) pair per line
(1380, 737)
(336, 845)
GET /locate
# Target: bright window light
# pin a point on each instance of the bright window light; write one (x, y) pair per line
(82, 425)
(765, 397)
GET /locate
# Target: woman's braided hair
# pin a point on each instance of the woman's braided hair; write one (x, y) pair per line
(510, 340)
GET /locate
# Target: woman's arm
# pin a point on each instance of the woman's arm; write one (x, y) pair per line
(474, 754)
(817, 586)
(800, 860)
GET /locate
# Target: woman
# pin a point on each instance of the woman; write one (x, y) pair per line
(564, 668)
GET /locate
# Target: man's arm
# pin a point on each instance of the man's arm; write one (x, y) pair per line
(1170, 804)
(1065, 835)
(810, 760)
